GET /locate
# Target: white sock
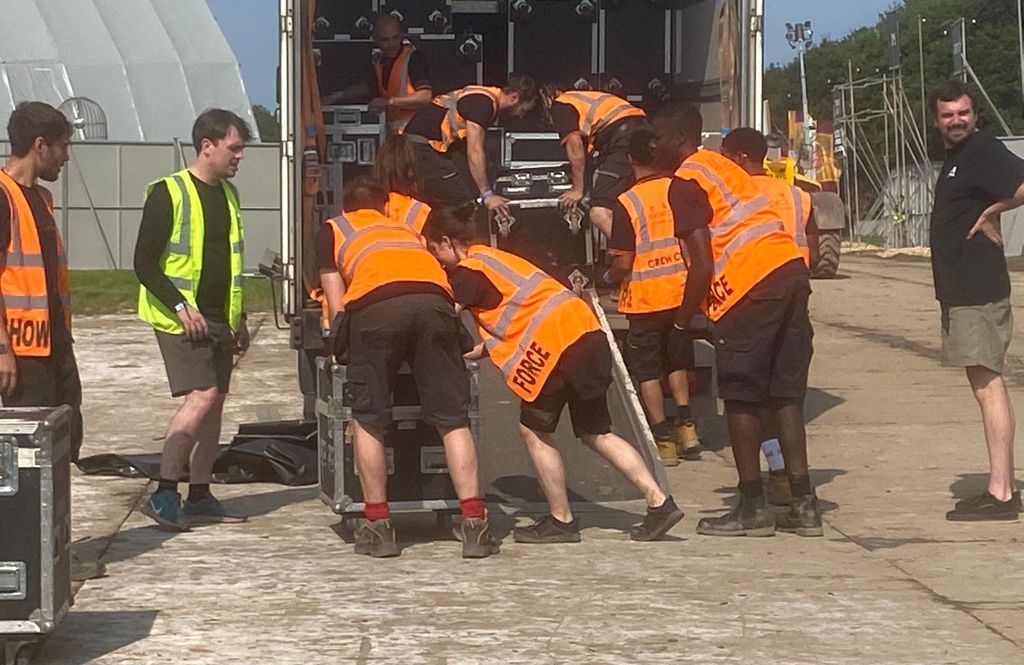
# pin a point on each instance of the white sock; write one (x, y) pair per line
(773, 453)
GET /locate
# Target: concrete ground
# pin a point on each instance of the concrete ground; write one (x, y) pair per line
(893, 438)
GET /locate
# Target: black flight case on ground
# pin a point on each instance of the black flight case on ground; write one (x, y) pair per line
(418, 478)
(35, 526)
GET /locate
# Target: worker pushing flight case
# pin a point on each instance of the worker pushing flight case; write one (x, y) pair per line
(417, 468)
(35, 530)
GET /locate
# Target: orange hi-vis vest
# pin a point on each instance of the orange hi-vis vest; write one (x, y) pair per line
(371, 251)
(598, 110)
(748, 238)
(793, 205)
(23, 282)
(659, 263)
(397, 85)
(453, 127)
(535, 323)
(408, 212)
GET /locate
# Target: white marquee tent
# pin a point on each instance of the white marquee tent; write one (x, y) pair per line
(151, 65)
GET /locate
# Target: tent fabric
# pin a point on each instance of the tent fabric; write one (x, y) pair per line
(151, 65)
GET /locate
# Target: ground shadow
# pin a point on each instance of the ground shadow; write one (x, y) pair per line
(971, 484)
(106, 631)
(819, 477)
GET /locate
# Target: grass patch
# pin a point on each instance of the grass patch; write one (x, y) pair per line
(117, 291)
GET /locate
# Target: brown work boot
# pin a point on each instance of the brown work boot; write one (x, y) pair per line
(667, 451)
(377, 539)
(687, 441)
(477, 540)
(778, 488)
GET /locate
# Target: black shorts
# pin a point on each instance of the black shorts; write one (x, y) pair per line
(198, 365)
(420, 329)
(764, 343)
(51, 381)
(613, 174)
(647, 353)
(580, 379)
(445, 177)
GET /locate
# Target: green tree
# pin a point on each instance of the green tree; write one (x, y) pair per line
(266, 122)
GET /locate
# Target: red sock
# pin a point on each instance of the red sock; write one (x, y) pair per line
(377, 511)
(473, 507)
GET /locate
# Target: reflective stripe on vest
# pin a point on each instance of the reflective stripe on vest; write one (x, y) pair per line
(658, 277)
(598, 110)
(453, 127)
(801, 216)
(408, 212)
(793, 206)
(23, 281)
(536, 321)
(748, 237)
(397, 85)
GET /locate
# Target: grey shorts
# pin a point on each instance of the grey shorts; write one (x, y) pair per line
(977, 335)
(198, 365)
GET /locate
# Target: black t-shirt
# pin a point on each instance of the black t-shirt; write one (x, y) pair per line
(46, 227)
(565, 119)
(690, 211)
(977, 173)
(476, 107)
(155, 232)
(326, 253)
(419, 73)
(473, 289)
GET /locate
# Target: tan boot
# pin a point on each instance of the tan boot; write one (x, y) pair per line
(688, 442)
(667, 452)
(778, 488)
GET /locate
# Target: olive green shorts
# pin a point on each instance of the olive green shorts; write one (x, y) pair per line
(977, 335)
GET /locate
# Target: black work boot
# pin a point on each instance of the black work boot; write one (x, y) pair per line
(377, 539)
(751, 517)
(475, 536)
(548, 529)
(803, 518)
(657, 521)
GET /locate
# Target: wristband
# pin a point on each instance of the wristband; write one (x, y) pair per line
(678, 327)
(180, 306)
(485, 194)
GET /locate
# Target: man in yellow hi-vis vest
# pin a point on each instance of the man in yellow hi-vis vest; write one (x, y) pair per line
(188, 259)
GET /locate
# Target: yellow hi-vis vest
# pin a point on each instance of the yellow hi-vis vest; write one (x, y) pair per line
(182, 261)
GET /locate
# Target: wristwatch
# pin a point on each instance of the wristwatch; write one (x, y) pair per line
(180, 306)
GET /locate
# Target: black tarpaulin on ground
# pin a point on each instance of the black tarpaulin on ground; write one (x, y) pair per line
(274, 452)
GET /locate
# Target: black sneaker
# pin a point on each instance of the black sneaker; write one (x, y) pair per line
(546, 530)
(475, 536)
(986, 508)
(803, 518)
(377, 539)
(657, 521)
(750, 517)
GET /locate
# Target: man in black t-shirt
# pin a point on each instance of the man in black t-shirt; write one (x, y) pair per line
(980, 180)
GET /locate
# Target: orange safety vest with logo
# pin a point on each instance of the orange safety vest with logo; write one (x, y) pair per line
(371, 251)
(23, 282)
(535, 323)
(453, 127)
(793, 205)
(659, 263)
(748, 238)
(598, 111)
(397, 85)
(408, 212)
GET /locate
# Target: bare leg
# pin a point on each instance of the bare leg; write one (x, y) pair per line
(679, 383)
(460, 451)
(204, 454)
(745, 433)
(184, 429)
(629, 463)
(1000, 424)
(654, 400)
(550, 472)
(371, 462)
(789, 418)
(601, 218)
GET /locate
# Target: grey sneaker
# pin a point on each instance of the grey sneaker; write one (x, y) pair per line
(657, 521)
(475, 536)
(548, 530)
(164, 508)
(377, 539)
(750, 517)
(803, 518)
(986, 508)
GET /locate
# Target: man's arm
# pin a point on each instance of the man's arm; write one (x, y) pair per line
(577, 155)
(413, 101)
(698, 276)
(330, 279)
(621, 245)
(813, 240)
(477, 157)
(988, 223)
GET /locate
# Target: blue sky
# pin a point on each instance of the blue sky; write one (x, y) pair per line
(251, 28)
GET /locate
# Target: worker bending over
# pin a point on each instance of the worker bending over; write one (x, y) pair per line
(647, 222)
(552, 351)
(758, 301)
(395, 169)
(398, 308)
(594, 122)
